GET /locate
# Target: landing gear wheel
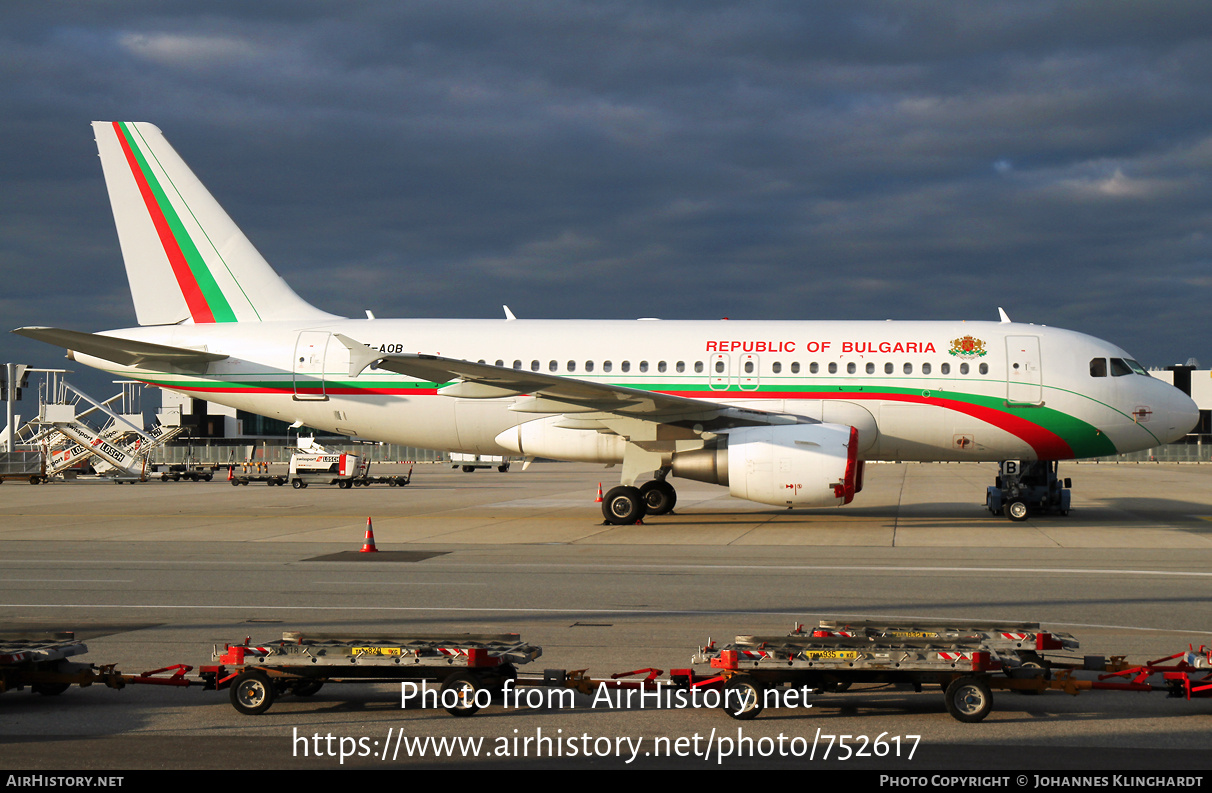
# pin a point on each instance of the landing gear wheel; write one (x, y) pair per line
(344, 484)
(742, 697)
(969, 699)
(296, 484)
(659, 497)
(466, 684)
(467, 469)
(1016, 510)
(623, 506)
(252, 693)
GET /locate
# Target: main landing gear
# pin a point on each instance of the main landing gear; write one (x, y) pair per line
(625, 505)
(1023, 488)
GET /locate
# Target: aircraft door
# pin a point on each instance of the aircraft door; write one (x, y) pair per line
(749, 378)
(718, 376)
(1024, 374)
(309, 364)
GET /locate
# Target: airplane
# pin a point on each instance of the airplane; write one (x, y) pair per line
(783, 413)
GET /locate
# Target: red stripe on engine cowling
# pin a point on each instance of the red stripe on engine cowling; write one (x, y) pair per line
(199, 309)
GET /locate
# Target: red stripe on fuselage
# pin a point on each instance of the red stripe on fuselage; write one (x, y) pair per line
(1046, 443)
(199, 309)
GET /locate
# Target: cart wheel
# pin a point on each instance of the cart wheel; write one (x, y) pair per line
(836, 686)
(252, 693)
(296, 484)
(235, 483)
(49, 689)
(500, 675)
(35, 480)
(307, 687)
(1016, 509)
(207, 477)
(466, 684)
(742, 697)
(969, 699)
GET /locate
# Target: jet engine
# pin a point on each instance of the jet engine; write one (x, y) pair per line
(798, 465)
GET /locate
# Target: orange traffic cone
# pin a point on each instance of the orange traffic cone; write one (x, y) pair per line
(229, 476)
(369, 545)
(598, 500)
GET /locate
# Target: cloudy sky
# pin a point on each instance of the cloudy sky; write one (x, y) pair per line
(791, 160)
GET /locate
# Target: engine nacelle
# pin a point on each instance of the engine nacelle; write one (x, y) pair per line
(798, 465)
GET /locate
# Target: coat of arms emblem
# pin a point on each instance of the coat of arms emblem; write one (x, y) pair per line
(967, 347)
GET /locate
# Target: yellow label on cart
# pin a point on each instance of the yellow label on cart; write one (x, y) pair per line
(378, 650)
(830, 655)
(912, 634)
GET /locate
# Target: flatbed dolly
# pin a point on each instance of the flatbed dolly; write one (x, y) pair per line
(257, 673)
(966, 659)
(39, 661)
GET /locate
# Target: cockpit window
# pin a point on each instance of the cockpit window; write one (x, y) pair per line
(1136, 367)
(1098, 367)
(1119, 367)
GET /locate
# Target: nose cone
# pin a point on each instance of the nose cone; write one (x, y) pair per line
(1182, 415)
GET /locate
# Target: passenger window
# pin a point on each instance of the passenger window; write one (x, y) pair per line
(908, 368)
(625, 366)
(719, 367)
(500, 363)
(1119, 368)
(925, 368)
(589, 366)
(698, 367)
(813, 367)
(606, 366)
(1098, 367)
(984, 368)
(517, 364)
(850, 368)
(572, 366)
(870, 368)
(963, 368)
(833, 368)
(888, 368)
(776, 367)
(945, 368)
(552, 366)
(748, 367)
(681, 367)
(661, 366)
(795, 368)
(643, 366)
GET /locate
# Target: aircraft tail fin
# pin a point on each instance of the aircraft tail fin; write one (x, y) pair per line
(185, 259)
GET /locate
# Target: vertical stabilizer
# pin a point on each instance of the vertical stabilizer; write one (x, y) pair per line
(185, 258)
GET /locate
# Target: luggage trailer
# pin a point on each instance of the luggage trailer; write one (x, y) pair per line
(463, 666)
(966, 660)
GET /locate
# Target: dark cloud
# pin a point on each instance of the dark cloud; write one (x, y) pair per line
(611, 159)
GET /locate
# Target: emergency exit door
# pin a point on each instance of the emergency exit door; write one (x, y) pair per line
(1024, 375)
(311, 356)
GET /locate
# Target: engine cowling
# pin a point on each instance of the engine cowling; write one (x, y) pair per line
(798, 465)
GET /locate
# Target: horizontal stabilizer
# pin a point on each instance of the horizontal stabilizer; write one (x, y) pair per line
(124, 351)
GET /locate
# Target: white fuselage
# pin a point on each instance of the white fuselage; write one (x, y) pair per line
(915, 390)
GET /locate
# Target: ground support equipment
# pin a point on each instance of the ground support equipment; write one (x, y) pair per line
(1024, 487)
(256, 674)
(40, 662)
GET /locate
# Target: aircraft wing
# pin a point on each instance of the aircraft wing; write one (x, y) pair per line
(124, 351)
(549, 393)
